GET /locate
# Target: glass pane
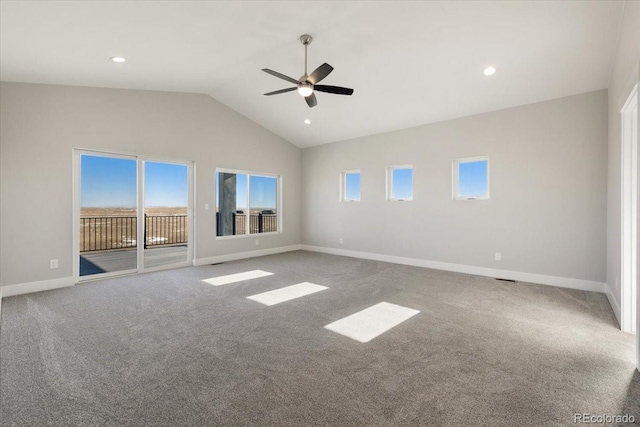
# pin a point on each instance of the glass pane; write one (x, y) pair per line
(352, 186)
(263, 201)
(473, 179)
(108, 214)
(402, 184)
(166, 224)
(231, 203)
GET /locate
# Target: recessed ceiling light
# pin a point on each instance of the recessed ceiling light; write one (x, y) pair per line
(307, 121)
(118, 59)
(490, 71)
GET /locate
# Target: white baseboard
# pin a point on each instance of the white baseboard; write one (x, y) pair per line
(563, 282)
(613, 303)
(43, 285)
(243, 255)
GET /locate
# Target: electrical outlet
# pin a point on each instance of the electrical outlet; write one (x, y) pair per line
(257, 242)
(498, 256)
(53, 263)
(341, 242)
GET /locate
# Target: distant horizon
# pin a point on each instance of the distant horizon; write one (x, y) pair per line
(133, 208)
(169, 207)
(128, 207)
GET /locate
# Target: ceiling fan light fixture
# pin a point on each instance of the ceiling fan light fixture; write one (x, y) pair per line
(305, 89)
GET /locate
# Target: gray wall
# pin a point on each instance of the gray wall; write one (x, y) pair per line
(625, 73)
(547, 213)
(40, 125)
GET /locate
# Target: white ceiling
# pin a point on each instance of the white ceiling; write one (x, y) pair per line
(410, 63)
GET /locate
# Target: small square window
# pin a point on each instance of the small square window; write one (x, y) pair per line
(471, 178)
(400, 183)
(351, 186)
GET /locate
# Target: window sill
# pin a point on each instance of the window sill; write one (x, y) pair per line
(470, 199)
(243, 236)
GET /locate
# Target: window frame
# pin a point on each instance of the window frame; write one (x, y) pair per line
(343, 185)
(456, 178)
(389, 189)
(279, 202)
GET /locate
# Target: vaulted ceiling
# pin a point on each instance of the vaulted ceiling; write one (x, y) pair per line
(410, 63)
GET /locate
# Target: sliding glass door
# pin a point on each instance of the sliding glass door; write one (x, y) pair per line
(132, 214)
(108, 214)
(166, 219)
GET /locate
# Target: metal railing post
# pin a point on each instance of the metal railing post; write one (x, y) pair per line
(145, 230)
(234, 225)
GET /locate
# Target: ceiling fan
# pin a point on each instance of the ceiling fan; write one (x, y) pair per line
(308, 83)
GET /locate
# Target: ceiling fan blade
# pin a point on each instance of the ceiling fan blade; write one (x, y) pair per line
(280, 76)
(275, 92)
(320, 73)
(311, 100)
(333, 89)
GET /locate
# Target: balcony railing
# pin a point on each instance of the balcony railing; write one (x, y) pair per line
(258, 223)
(120, 232)
(165, 230)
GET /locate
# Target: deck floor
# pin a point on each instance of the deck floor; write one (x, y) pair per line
(122, 260)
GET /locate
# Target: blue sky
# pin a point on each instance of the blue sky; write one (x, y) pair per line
(109, 181)
(472, 179)
(165, 184)
(402, 183)
(241, 191)
(352, 185)
(264, 191)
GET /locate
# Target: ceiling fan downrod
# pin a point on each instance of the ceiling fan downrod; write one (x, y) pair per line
(306, 40)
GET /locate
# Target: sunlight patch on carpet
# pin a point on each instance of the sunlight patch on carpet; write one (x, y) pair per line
(237, 277)
(287, 293)
(367, 324)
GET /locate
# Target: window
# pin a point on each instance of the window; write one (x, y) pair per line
(246, 203)
(471, 178)
(400, 183)
(262, 204)
(351, 186)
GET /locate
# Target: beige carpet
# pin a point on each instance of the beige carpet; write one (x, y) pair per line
(166, 349)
